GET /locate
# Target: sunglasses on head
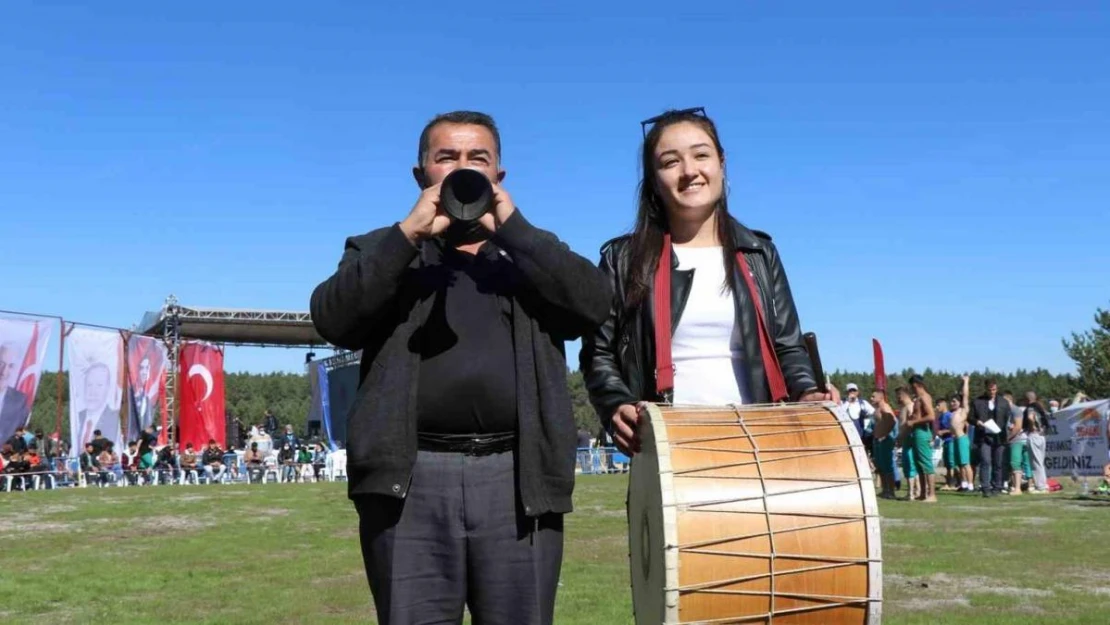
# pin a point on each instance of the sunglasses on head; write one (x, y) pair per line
(646, 125)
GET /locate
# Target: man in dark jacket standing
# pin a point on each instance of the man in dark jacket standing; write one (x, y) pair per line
(990, 407)
(461, 439)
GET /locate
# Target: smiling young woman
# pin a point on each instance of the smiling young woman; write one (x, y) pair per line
(734, 335)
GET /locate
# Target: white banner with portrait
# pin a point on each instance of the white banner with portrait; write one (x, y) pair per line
(22, 352)
(95, 386)
(1076, 440)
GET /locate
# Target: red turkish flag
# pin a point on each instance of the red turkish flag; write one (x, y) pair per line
(202, 395)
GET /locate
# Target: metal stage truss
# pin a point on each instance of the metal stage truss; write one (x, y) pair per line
(175, 323)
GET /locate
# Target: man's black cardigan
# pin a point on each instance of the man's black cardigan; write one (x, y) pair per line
(374, 302)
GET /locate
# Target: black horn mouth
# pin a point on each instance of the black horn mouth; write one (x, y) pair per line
(466, 194)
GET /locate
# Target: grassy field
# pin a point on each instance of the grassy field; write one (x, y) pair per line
(289, 554)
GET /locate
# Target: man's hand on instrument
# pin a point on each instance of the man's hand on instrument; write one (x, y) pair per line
(626, 429)
(426, 219)
(503, 208)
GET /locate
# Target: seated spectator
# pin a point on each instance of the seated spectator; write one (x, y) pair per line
(18, 442)
(16, 468)
(89, 464)
(109, 462)
(287, 457)
(304, 463)
(147, 440)
(289, 438)
(319, 460)
(255, 461)
(52, 450)
(189, 459)
(212, 458)
(166, 463)
(129, 462)
(231, 463)
(99, 443)
(259, 436)
(33, 459)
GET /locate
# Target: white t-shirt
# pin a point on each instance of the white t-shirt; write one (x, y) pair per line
(706, 348)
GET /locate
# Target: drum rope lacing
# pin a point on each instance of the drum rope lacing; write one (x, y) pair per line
(766, 513)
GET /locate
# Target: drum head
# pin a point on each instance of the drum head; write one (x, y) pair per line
(647, 530)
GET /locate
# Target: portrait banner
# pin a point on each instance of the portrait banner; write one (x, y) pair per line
(202, 413)
(146, 380)
(96, 383)
(23, 345)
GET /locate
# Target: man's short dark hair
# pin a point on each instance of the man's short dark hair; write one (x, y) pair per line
(989, 382)
(901, 390)
(916, 379)
(96, 433)
(469, 118)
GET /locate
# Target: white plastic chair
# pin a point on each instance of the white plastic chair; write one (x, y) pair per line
(335, 465)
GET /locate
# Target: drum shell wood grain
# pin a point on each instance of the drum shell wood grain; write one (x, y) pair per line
(770, 517)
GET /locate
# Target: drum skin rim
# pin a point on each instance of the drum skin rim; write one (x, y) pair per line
(871, 509)
(670, 514)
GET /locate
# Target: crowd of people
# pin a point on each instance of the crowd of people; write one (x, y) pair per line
(992, 443)
(30, 460)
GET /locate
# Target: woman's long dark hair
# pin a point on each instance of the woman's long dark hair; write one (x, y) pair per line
(651, 216)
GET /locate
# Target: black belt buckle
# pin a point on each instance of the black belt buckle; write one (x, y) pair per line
(473, 445)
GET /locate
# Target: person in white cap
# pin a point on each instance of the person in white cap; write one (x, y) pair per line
(861, 412)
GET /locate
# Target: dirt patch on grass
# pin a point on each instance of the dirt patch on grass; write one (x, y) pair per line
(195, 498)
(346, 534)
(972, 508)
(1033, 520)
(904, 524)
(268, 514)
(56, 508)
(598, 511)
(349, 578)
(918, 604)
(942, 589)
(273, 512)
(26, 524)
(167, 524)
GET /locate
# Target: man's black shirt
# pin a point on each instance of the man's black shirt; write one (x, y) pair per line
(467, 369)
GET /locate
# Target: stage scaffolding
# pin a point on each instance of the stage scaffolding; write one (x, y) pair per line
(176, 323)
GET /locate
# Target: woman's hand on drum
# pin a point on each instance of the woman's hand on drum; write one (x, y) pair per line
(832, 395)
(626, 429)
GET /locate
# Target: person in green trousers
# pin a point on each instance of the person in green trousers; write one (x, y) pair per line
(921, 421)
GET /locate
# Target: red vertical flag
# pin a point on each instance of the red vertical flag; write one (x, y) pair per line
(201, 414)
(880, 365)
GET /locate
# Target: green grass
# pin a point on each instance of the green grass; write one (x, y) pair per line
(289, 554)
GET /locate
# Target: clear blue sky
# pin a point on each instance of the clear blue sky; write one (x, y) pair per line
(935, 176)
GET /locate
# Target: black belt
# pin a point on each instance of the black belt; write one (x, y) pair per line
(469, 444)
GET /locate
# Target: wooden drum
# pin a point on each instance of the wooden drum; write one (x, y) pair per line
(753, 514)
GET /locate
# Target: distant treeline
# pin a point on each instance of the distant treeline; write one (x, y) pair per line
(249, 395)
